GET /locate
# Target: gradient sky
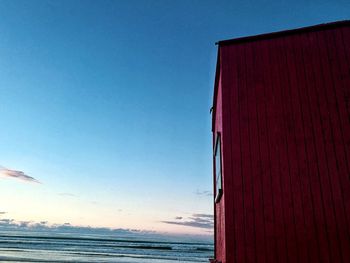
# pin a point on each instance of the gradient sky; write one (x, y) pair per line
(106, 104)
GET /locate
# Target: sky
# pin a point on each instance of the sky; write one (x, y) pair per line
(104, 106)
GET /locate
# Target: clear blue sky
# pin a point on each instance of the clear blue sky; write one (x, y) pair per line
(106, 104)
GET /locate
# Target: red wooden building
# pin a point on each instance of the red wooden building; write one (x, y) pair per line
(281, 136)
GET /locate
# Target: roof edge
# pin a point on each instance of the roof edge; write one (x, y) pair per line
(284, 32)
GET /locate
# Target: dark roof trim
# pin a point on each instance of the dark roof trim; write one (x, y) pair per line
(285, 32)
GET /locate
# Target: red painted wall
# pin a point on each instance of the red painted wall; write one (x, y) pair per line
(282, 105)
(219, 210)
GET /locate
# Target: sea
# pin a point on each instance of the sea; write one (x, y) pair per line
(80, 247)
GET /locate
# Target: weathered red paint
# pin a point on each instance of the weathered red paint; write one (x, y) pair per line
(282, 107)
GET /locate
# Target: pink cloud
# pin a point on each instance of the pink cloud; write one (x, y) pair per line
(4, 172)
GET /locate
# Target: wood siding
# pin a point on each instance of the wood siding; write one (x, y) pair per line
(219, 212)
(282, 106)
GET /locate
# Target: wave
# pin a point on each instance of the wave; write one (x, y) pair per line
(88, 260)
(80, 249)
(100, 239)
(61, 244)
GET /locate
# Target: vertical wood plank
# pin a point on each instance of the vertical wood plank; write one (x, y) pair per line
(335, 144)
(342, 75)
(238, 184)
(236, 150)
(251, 142)
(274, 112)
(307, 239)
(292, 158)
(275, 248)
(220, 242)
(317, 90)
(233, 160)
(312, 141)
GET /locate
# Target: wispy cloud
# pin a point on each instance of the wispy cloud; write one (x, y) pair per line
(204, 193)
(205, 221)
(4, 172)
(2, 213)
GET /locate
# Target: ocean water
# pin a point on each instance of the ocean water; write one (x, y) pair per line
(19, 246)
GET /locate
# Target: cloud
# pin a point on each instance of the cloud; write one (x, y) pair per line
(68, 228)
(4, 172)
(205, 221)
(2, 213)
(204, 193)
(209, 216)
(6, 221)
